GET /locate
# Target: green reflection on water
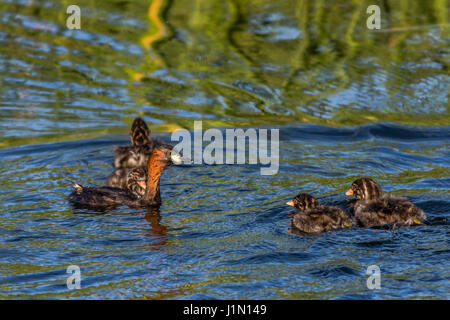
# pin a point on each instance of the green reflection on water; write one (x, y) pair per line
(229, 63)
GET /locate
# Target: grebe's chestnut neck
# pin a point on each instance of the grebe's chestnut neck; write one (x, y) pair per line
(160, 158)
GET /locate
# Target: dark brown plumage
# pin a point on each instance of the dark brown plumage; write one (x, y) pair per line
(136, 154)
(312, 217)
(372, 208)
(102, 197)
(110, 197)
(137, 192)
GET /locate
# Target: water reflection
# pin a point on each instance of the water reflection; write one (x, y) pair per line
(232, 63)
(157, 230)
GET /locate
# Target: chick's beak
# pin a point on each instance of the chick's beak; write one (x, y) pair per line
(290, 203)
(349, 192)
(142, 183)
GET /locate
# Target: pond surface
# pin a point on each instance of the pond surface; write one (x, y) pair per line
(349, 102)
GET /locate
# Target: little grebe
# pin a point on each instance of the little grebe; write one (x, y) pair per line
(371, 208)
(312, 217)
(136, 154)
(137, 191)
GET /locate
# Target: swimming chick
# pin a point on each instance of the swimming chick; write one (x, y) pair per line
(372, 208)
(312, 217)
(142, 186)
(136, 154)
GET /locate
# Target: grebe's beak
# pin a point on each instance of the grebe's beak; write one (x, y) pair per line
(290, 203)
(349, 192)
(177, 158)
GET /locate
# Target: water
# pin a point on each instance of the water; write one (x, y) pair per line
(348, 101)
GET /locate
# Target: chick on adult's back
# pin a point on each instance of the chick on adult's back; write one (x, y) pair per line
(136, 154)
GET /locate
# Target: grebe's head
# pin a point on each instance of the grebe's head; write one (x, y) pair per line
(137, 181)
(303, 201)
(139, 133)
(164, 155)
(364, 188)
